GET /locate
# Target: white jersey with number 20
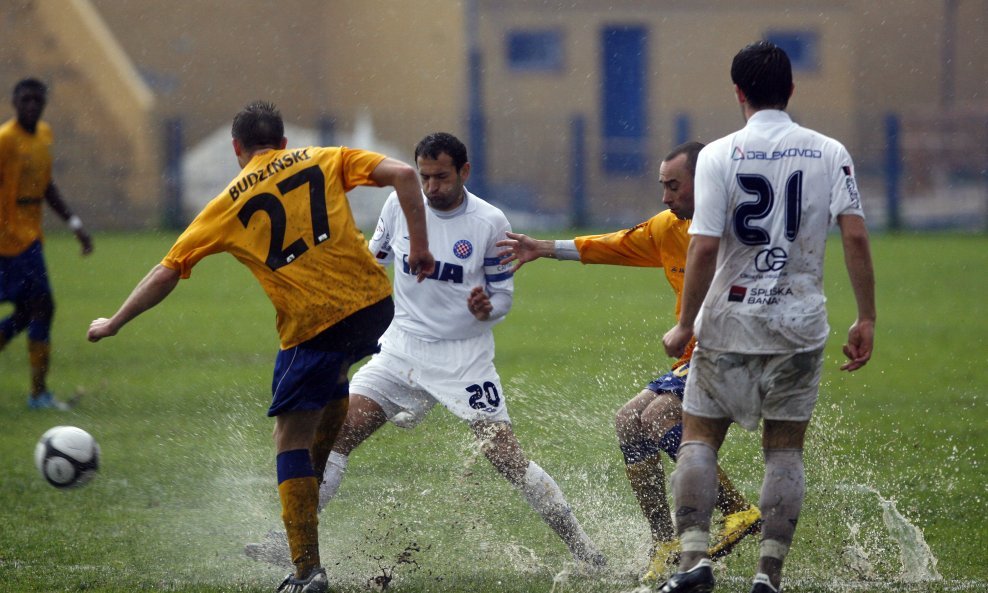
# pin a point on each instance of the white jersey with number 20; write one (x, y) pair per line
(770, 191)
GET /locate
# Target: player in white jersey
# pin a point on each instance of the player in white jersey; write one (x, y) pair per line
(440, 346)
(765, 198)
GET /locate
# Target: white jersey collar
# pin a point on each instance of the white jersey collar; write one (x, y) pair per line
(769, 117)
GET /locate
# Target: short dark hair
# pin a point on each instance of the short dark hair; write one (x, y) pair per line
(30, 84)
(691, 150)
(259, 125)
(763, 73)
(437, 143)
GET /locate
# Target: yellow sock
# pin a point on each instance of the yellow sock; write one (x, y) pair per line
(729, 499)
(299, 497)
(39, 354)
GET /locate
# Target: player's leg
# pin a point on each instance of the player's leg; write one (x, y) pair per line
(636, 425)
(41, 312)
(298, 487)
(501, 447)
(305, 381)
(363, 419)
(328, 432)
(41, 309)
(14, 323)
(694, 484)
(782, 495)
(787, 410)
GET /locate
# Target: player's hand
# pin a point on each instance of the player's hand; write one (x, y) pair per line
(860, 341)
(520, 249)
(479, 304)
(85, 240)
(99, 329)
(421, 263)
(676, 339)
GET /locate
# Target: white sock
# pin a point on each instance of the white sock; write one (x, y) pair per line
(545, 496)
(331, 478)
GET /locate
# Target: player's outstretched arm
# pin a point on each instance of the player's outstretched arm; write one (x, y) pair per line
(857, 259)
(406, 183)
(521, 249)
(150, 291)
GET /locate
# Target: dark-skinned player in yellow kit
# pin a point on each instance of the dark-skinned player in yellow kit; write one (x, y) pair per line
(25, 184)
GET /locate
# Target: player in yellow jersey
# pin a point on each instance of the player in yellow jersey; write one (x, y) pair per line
(25, 183)
(286, 217)
(651, 422)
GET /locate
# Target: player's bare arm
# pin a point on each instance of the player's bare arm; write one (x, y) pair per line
(405, 180)
(54, 199)
(857, 259)
(522, 249)
(701, 263)
(150, 291)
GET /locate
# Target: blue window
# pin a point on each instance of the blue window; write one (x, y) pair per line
(802, 47)
(624, 104)
(535, 51)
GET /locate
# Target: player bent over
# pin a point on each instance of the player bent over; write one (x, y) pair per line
(332, 299)
(440, 346)
(651, 422)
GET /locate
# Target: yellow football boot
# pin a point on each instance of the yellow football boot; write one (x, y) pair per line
(665, 557)
(735, 527)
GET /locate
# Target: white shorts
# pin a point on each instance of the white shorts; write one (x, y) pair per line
(410, 375)
(748, 387)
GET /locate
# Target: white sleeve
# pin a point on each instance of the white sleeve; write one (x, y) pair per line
(380, 243)
(566, 250)
(498, 278)
(844, 193)
(709, 194)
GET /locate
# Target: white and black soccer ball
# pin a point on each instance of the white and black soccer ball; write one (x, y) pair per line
(67, 456)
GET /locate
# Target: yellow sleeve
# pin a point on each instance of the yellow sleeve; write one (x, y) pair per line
(358, 166)
(639, 246)
(204, 236)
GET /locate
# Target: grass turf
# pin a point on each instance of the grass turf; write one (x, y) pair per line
(177, 401)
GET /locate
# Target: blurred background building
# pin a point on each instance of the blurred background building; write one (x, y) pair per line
(567, 106)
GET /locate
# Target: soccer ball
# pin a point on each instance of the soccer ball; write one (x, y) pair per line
(67, 456)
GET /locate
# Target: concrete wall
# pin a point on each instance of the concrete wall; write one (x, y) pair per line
(406, 65)
(106, 141)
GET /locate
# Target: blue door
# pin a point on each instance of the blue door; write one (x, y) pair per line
(624, 51)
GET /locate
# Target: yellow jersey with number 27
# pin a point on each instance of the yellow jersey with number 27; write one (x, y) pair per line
(286, 217)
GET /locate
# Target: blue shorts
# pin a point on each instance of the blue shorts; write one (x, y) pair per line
(673, 382)
(24, 277)
(308, 376)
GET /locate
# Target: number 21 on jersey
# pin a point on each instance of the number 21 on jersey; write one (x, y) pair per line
(747, 215)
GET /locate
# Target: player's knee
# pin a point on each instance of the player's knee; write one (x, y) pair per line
(627, 424)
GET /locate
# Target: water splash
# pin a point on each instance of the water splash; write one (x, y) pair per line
(855, 556)
(918, 564)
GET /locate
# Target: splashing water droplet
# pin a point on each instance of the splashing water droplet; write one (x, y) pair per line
(918, 562)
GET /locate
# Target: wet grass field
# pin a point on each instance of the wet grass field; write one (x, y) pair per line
(896, 458)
